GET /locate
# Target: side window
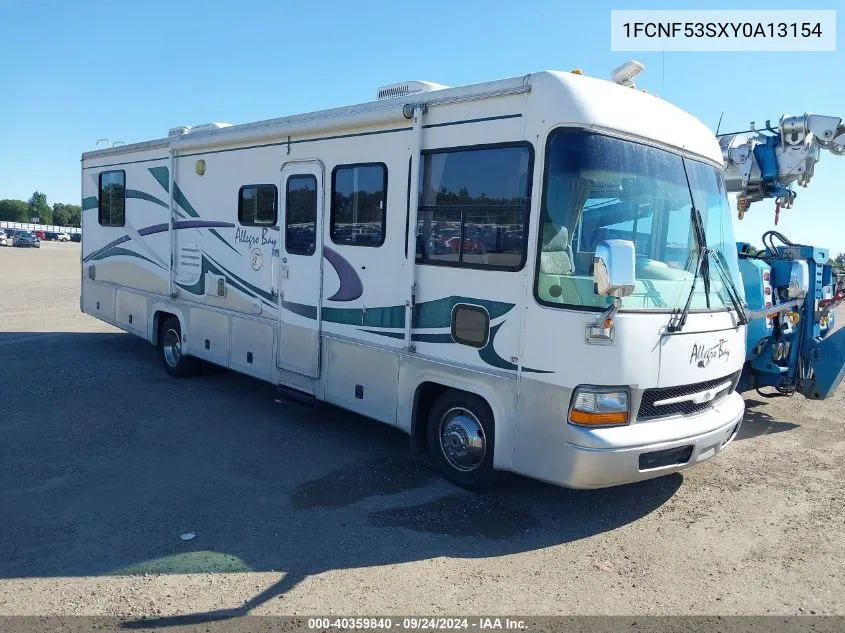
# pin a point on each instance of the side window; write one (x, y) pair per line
(473, 206)
(112, 199)
(470, 325)
(301, 215)
(257, 205)
(359, 201)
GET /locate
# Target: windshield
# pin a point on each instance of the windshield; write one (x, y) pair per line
(598, 188)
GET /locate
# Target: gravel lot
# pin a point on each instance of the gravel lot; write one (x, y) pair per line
(105, 461)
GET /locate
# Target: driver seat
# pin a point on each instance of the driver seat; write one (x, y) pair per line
(556, 253)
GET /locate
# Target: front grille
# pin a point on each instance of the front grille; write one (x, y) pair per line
(686, 407)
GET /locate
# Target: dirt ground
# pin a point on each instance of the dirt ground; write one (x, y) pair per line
(105, 461)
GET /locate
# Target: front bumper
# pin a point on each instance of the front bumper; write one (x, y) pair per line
(598, 458)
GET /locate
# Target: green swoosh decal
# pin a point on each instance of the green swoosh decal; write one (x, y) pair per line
(141, 195)
(489, 355)
(116, 250)
(162, 175)
(438, 313)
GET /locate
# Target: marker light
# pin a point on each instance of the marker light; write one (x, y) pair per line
(599, 406)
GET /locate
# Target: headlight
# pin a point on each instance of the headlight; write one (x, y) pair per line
(599, 406)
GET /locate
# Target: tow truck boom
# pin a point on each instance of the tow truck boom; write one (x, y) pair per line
(764, 163)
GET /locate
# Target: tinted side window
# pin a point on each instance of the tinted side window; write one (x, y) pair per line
(359, 194)
(474, 207)
(475, 177)
(112, 199)
(257, 205)
(301, 215)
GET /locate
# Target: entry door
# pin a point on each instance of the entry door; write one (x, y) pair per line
(300, 266)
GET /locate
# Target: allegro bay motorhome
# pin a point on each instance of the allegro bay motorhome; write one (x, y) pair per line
(511, 272)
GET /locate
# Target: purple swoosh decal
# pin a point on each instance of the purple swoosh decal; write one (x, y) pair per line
(183, 224)
(155, 228)
(201, 224)
(350, 283)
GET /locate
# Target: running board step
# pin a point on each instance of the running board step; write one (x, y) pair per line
(289, 394)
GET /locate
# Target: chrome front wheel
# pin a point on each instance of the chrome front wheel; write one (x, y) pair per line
(462, 439)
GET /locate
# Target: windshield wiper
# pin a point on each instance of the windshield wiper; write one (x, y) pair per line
(702, 269)
(733, 293)
(679, 319)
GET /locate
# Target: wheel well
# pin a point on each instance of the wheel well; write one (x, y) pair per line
(424, 398)
(159, 319)
(427, 393)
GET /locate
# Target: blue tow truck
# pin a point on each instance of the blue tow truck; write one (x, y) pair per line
(790, 289)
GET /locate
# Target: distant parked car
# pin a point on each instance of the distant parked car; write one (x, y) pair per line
(5, 240)
(76, 237)
(62, 237)
(41, 235)
(50, 236)
(24, 239)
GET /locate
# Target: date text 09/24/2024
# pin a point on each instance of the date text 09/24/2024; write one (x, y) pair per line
(416, 623)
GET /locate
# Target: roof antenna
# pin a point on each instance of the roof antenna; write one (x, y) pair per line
(719, 124)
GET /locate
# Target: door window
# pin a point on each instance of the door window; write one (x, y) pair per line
(301, 215)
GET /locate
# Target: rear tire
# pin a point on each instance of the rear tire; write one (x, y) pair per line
(461, 437)
(176, 363)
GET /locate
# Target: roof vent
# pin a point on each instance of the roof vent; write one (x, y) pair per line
(190, 129)
(205, 127)
(407, 88)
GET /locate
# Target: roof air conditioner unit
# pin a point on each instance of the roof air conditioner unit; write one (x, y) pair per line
(408, 88)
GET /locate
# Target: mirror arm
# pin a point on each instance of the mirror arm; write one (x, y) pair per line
(606, 318)
(602, 330)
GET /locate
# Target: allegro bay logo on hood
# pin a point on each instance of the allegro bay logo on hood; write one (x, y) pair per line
(702, 354)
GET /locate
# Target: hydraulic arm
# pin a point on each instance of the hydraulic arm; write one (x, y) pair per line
(764, 163)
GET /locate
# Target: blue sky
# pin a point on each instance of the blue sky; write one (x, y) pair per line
(73, 72)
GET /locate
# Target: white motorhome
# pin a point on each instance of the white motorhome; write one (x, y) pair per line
(508, 271)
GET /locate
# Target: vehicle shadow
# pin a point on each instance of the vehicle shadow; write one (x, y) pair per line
(104, 475)
(758, 421)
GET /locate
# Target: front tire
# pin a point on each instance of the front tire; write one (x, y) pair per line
(461, 437)
(175, 363)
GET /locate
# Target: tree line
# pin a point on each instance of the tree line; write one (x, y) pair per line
(59, 214)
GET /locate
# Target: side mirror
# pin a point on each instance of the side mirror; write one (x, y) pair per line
(613, 268)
